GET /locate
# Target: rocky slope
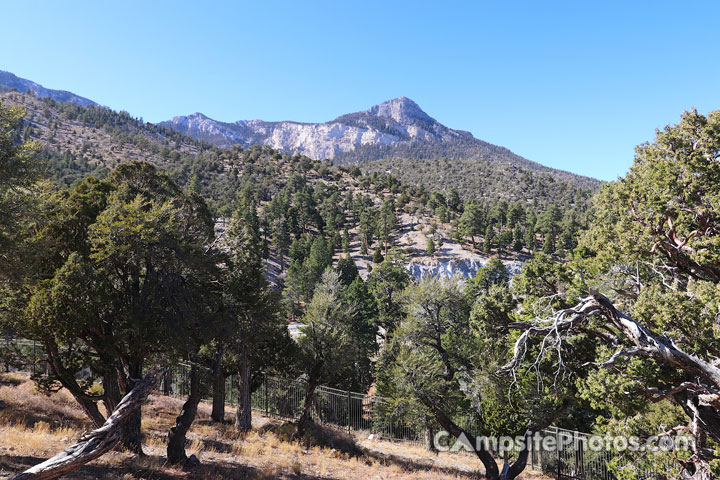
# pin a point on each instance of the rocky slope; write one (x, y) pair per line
(394, 130)
(94, 133)
(81, 141)
(10, 81)
(396, 136)
(397, 120)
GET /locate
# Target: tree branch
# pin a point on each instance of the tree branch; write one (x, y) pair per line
(96, 443)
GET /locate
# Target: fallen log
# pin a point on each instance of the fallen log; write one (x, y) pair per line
(94, 444)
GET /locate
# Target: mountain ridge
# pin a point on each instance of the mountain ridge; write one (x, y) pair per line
(388, 134)
(396, 136)
(396, 120)
(10, 81)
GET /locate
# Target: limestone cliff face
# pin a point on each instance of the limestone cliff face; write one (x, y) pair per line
(397, 120)
(465, 268)
(394, 132)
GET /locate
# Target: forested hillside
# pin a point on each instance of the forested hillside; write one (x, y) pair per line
(397, 136)
(126, 245)
(80, 141)
(485, 178)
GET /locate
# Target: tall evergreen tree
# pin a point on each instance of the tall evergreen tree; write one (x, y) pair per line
(127, 277)
(252, 309)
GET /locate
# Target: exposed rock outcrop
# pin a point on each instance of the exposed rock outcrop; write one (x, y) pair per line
(465, 268)
(397, 120)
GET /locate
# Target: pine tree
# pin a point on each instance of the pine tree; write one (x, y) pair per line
(549, 245)
(347, 270)
(346, 240)
(530, 237)
(489, 239)
(517, 239)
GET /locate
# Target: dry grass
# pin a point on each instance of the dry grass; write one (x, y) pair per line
(27, 439)
(23, 404)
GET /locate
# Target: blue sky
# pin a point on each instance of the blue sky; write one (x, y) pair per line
(573, 85)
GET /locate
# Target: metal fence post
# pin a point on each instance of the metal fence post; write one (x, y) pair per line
(348, 411)
(579, 460)
(267, 400)
(232, 386)
(557, 447)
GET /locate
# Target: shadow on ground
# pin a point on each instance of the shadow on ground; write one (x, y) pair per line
(413, 466)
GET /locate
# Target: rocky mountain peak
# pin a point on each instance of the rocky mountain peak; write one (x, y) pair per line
(402, 110)
(196, 118)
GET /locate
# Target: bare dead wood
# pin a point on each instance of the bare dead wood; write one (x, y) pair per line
(646, 343)
(94, 444)
(701, 382)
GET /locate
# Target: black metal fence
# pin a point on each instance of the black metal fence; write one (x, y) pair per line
(353, 411)
(572, 456)
(22, 355)
(568, 456)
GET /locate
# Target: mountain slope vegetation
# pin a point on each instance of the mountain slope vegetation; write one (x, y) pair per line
(398, 136)
(395, 137)
(163, 257)
(9, 81)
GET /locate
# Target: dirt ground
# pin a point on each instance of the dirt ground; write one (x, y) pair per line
(34, 427)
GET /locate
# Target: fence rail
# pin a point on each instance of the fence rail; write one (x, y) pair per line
(358, 412)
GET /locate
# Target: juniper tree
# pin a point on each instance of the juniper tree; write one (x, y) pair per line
(386, 283)
(654, 247)
(125, 276)
(19, 170)
(446, 351)
(327, 346)
(253, 312)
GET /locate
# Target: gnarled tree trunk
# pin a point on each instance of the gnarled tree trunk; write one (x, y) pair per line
(701, 384)
(67, 380)
(96, 443)
(430, 436)
(492, 472)
(218, 405)
(177, 434)
(243, 415)
(91, 409)
(132, 434)
(306, 416)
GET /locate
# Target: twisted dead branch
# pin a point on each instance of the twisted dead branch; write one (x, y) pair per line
(94, 444)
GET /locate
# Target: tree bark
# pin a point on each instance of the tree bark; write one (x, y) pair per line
(96, 443)
(167, 380)
(517, 467)
(111, 389)
(91, 409)
(218, 406)
(67, 380)
(243, 415)
(306, 416)
(430, 436)
(132, 433)
(178, 433)
(487, 459)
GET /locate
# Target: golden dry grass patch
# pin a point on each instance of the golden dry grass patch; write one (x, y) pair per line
(224, 453)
